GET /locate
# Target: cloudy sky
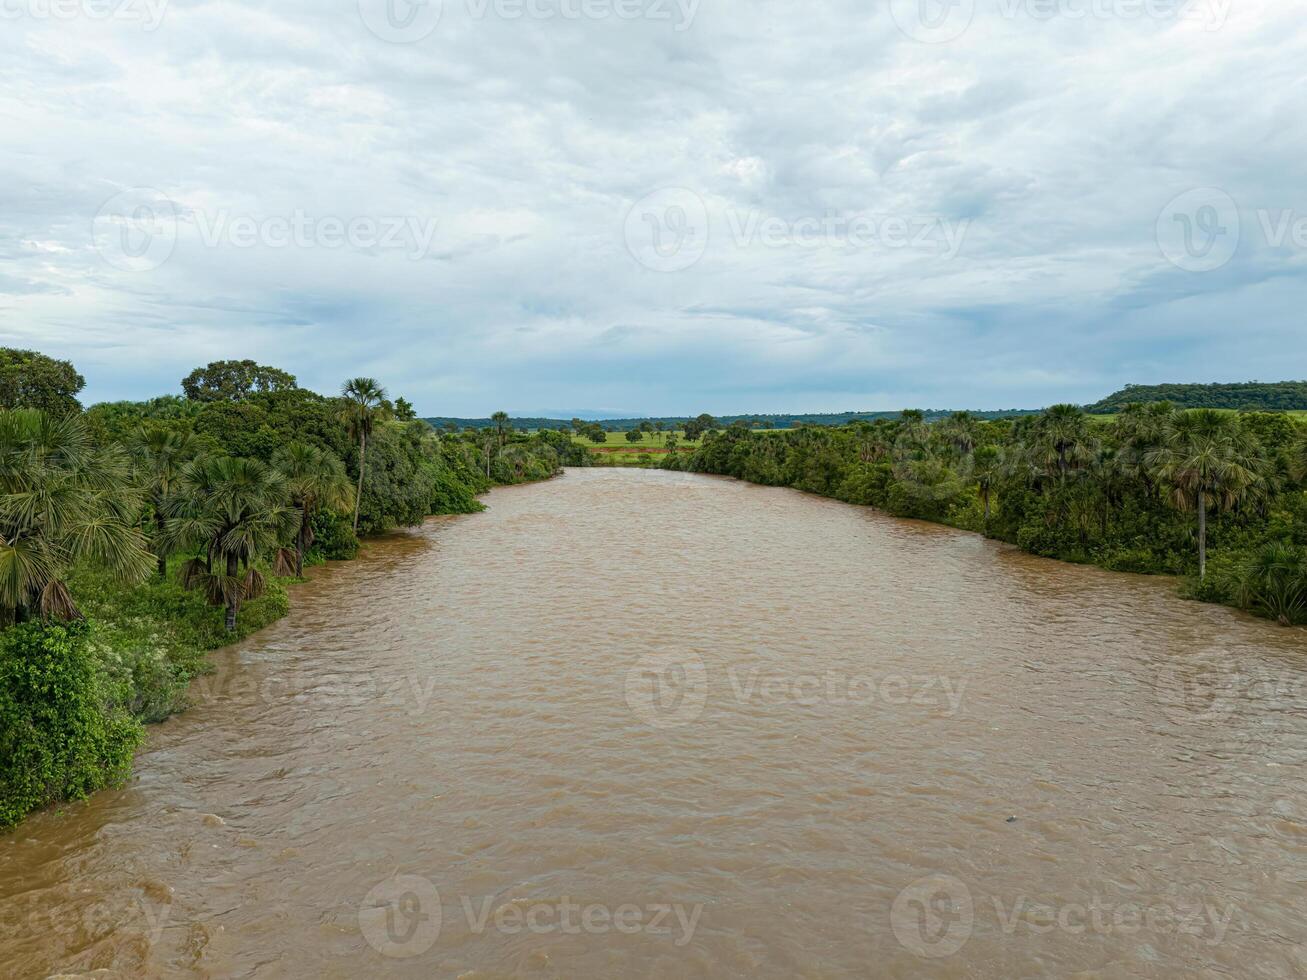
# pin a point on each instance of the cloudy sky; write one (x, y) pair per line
(658, 206)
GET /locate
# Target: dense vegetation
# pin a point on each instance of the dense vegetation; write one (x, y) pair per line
(1250, 396)
(135, 536)
(1215, 496)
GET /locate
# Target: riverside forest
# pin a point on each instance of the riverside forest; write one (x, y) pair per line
(137, 536)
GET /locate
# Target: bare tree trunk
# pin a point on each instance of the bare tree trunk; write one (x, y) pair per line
(158, 545)
(299, 543)
(233, 603)
(986, 495)
(1202, 534)
(358, 498)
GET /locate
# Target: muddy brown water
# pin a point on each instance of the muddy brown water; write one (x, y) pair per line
(642, 724)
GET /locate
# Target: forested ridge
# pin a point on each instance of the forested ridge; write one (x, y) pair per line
(1251, 395)
(135, 536)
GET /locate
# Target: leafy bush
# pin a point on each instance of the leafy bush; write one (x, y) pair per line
(1272, 582)
(450, 495)
(148, 641)
(333, 538)
(61, 737)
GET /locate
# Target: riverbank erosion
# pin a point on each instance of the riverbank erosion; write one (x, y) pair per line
(628, 694)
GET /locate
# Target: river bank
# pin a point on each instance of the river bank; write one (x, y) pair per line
(853, 706)
(137, 651)
(1124, 495)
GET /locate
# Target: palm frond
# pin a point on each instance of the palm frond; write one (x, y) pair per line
(56, 602)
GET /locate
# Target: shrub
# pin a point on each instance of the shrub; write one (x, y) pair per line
(451, 495)
(1272, 582)
(333, 538)
(59, 739)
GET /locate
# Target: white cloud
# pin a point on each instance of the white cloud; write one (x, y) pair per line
(1057, 141)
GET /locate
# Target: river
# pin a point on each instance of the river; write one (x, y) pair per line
(643, 724)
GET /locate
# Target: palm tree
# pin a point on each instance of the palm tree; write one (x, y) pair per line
(61, 502)
(959, 430)
(1138, 430)
(1206, 460)
(363, 401)
(1060, 441)
(502, 425)
(1298, 459)
(987, 468)
(315, 479)
(1273, 580)
(158, 457)
(912, 436)
(235, 509)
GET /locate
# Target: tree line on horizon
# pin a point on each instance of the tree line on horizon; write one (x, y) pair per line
(1246, 396)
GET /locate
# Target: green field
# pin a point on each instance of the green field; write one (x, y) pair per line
(648, 440)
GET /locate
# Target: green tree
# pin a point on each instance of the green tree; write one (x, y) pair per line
(234, 381)
(698, 427)
(236, 510)
(1273, 581)
(959, 431)
(634, 435)
(62, 501)
(1206, 461)
(60, 738)
(1138, 430)
(363, 398)
(503, 425)
(315, 479)
(158, 456)
(404, 410)
(32, 380)
(1060, 442)
(987, 470)
(1298, 459)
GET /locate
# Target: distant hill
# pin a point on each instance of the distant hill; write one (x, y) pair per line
(1286, 395)
(676, 421)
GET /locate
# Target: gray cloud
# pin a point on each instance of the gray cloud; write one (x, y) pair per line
(1050, 146)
